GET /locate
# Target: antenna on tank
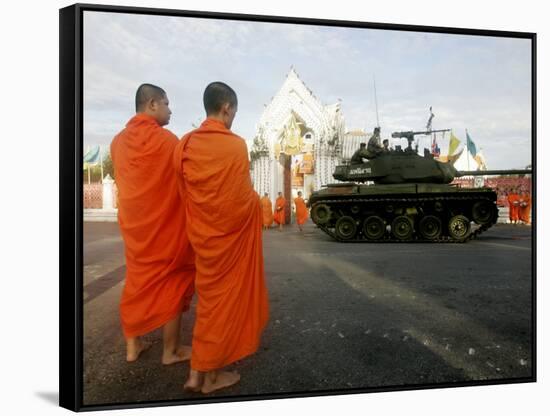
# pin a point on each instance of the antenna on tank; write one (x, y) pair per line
(376, 102)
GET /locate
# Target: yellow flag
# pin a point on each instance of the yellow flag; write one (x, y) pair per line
(452, 159)
(453, 143)
(480, 161)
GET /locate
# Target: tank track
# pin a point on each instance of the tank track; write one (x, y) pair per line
(389, 238)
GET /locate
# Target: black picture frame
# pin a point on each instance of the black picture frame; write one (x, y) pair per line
(71, 196)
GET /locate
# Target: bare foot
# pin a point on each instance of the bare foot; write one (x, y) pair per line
(183, 353)
(135, 348)
(219, 380)
(194, 382)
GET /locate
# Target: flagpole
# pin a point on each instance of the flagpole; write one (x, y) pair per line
(449, 148)
(87, 166)
(376, 102)
(101, 163)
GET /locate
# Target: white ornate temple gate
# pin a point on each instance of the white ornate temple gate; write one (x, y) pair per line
(298, 138)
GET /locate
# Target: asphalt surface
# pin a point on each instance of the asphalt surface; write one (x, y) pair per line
(343, 316)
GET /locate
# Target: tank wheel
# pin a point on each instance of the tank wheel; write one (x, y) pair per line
(374, 228)
(389, 208)
(483, 212)
(346, 228)
(438, 206)
(430, 227)
(320, 214)
(459, 227)
(402, 227)
(355, 209)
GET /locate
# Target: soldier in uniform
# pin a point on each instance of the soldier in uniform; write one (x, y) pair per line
(360, 154)
(374, 149)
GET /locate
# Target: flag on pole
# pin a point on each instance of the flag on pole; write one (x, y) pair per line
(436, 151)
(429, 124)
(92, 157)
(453, 144)
(470, 145)
(453, 158)
(480, 159)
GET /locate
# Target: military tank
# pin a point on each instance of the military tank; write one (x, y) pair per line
(410, 198)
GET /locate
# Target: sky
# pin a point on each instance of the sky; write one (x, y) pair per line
(478, 83)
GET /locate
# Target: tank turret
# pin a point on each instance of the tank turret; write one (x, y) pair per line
(399, 166)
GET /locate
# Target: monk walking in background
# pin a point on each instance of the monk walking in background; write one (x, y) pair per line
(525, 208)
(513, 204)
(301, 210)
(224, 228)
(267, 211)
(159, 260)
(279, 215)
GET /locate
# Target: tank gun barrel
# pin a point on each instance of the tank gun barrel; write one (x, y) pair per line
(409, 135)
(494, 172)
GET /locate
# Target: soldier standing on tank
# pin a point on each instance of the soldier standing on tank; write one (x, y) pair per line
(386, 146)
(374, 148)
(360, 154)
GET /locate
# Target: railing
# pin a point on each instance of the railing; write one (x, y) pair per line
(93, 195)
(502, 186)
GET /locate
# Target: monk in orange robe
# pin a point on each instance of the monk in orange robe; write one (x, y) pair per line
(525, 208)
(159, 260)
(267, 211)
(279, 214)
(513, 204)
(301, 210)
(224, 228)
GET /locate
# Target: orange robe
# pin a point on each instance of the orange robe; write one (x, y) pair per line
(525, 208)
(513, 204)
(159, 260)
(224, 228)
(267, 211)
(279, 214)
(301, 210)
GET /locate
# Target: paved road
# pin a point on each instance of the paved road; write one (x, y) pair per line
(342, 316)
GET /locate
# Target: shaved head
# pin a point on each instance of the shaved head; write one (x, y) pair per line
(146, 93)
(216, 95)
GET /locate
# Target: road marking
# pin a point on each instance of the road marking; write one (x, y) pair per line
(101, 241)
(104, 283)
(504, 245)
(427, 318)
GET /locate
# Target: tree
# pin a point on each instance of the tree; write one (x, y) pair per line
(108, 168)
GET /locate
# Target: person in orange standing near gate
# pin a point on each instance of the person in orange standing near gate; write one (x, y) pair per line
(224, 228)
(301, 210)
(267, 211)
(525, 208)
(160, 266)
(513, 204)
(279, 214)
